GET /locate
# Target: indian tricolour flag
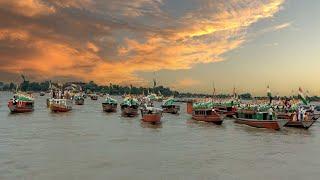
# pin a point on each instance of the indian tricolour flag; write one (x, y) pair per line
(269, 92)
(302, 97)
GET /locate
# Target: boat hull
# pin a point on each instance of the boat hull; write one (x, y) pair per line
(109, 107)
(129, 111)
(214, 118)
(59, 108)
(171, 110)
(20, 107)
(79, 101)
(151, 118)
(94, 98)
(306, 124)
(268, 124)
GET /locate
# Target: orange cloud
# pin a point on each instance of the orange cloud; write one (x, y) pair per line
(28, 7)
(112, 43)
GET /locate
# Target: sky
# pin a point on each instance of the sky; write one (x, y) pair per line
(188, 45)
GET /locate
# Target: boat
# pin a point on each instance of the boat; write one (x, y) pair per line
(204, 111)
(94, 97)
(42, 93)
(227, 108)
(169, 106)
(79, 100)
(21, 102)
(293, 122)
(151, 115)
(110, 105)
(61, 105)
(259, 119)
(129, 107)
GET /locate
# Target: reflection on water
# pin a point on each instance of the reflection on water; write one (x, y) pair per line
(151, 125)
(88, 143)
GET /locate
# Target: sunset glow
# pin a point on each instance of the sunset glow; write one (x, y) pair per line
(126, 41)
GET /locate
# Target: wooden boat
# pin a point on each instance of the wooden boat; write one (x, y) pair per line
(207, 115)
(129, 107)
(229, 111)
(259, 120)
(21, 103)
(61, 105)
(151, 115)
(168, 106)
(293, 122)
(94, 97)
(79, 100)
(42, 93)
(110, 105)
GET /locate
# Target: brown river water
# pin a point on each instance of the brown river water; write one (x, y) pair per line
(87, 143)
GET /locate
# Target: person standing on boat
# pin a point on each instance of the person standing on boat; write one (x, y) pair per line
(270, 112)
(60, 94)
(303, 113)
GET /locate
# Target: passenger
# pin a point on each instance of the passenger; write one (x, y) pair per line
(294, 117)
(270, 113)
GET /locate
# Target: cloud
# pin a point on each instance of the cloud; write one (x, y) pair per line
(112, 40)
(28, 8)
(282, 26)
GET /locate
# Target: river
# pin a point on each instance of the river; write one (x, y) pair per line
(87, 143)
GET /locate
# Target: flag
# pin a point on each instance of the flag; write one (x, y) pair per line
(234, 93)
(302, 97)
(269, 94)
(214, 89)
(154, 83)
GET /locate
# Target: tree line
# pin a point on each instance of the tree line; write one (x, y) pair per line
(114, 89)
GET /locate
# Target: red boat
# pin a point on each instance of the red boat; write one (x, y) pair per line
(293, 122)
(21, 103)
(61, 105)
(259, 120)
(207, 115)
(20, 107)
(151, 115)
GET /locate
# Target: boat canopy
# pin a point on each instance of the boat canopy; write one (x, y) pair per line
(23, 97)
(169, 102)
(130, 102)
(110, 100)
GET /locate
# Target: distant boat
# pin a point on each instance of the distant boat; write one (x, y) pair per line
(42, 93)
(21, 103)
(110, 105)
(61, 105)
(259, 119)
(227, 108)
(205, 112)
(151, 115)
(79, 100)
(129, 107)
(169, 106)
(94, 97)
